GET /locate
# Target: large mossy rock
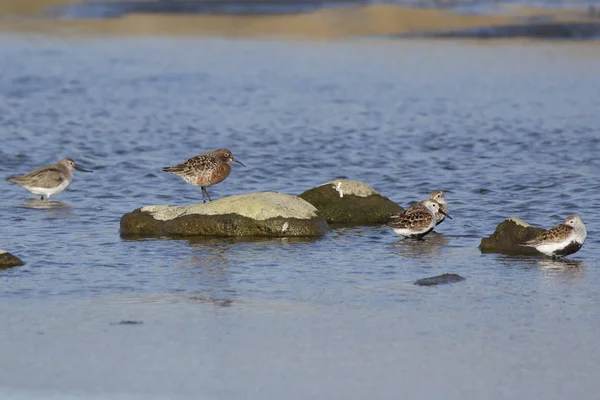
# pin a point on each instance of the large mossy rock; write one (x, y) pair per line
(267, 214)
(509, 236)
(7, 260)
(345, 201)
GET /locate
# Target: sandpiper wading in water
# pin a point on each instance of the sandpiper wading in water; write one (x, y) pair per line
(418, 220)
(49, 180)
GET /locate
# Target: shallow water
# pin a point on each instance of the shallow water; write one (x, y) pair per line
(506, 129)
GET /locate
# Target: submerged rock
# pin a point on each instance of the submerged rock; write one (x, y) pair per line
(345, 201)
(509, 236)
(440, 280)
(7, 260)
(268, 214)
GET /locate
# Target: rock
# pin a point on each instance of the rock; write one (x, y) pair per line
(345, 201)
(269, 214)
(7, 260)
(440, 280)
(508, 237)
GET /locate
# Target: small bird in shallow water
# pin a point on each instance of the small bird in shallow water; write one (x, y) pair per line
(417, 220)
(50, 180)
(561, 240)
(205, 169)
(438, 195)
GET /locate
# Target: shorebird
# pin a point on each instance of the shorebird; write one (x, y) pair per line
(49, 180)
(417, 220)
(561, 240)
(438, 195)
(205, 169)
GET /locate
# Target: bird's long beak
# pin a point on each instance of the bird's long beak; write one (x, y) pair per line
(81, 169)
(445, 214)
(237, 161)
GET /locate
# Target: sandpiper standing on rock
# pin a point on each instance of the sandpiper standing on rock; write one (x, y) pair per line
(418, 220)
(49, 180)
(205, 169)
(561, 240)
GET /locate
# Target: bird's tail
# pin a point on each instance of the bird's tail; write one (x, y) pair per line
(529, 243)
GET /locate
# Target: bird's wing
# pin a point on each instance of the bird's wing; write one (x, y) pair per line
(412, 219)
(43, 177)
(187, 166)
(554, 234)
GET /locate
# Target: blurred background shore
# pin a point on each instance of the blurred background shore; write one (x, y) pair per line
(315, 19)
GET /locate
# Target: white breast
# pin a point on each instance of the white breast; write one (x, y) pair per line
(49, 191)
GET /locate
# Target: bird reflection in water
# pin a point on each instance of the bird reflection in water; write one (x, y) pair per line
(208, 270)
(561, 268)
(44, 204)
(429, 246)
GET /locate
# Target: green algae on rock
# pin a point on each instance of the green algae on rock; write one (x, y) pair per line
(269, 214)
(344, 201)
(509, 236)
(7, 260)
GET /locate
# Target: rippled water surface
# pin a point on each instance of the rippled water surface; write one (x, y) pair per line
(506, 129)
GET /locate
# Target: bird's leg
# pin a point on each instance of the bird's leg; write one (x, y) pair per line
(205, 195)
(205, 192)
